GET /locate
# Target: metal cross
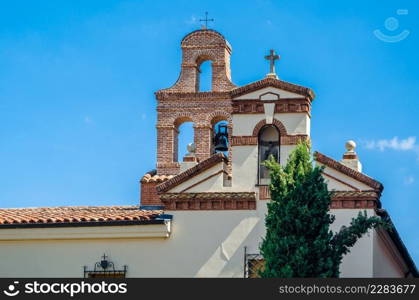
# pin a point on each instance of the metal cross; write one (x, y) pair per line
(272, 57)
(206, 20)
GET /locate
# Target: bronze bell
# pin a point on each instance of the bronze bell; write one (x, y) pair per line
(221, 139)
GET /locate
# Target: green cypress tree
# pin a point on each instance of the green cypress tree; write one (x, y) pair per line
(298, 241)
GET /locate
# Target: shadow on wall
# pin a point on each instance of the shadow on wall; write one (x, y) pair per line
(228, 256)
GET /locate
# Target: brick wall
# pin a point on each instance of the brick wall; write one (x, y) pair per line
(184, 103)
(149, 194)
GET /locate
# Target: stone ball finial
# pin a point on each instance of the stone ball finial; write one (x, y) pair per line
(350, 146)
(191, 148)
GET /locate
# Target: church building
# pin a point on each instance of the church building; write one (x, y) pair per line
(202, 215)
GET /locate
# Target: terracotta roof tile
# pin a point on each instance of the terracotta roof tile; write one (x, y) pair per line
(156, 178)
(75, 215)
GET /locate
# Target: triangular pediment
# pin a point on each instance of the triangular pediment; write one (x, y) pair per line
(271, 89)
(210, 174)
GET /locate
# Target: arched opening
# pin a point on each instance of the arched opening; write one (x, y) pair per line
(220, 140)
(268, 143)
(204, 78)
(184, 136)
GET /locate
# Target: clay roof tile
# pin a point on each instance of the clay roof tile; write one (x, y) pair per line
(75, 215)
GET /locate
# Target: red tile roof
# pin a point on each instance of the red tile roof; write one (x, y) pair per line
(155, 178)
(76, 215)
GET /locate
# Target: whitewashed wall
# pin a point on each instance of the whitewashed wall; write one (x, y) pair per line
(202, 244)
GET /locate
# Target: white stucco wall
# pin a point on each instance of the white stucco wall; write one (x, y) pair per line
(245, 165)
(202, 243)
(338, 186)
(204, 181)
(359, 262)
(387, 261)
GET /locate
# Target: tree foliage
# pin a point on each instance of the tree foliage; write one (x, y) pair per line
(298, 241)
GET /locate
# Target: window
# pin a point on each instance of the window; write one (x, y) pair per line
(268, 145)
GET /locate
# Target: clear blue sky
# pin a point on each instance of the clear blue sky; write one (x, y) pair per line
(77, 109)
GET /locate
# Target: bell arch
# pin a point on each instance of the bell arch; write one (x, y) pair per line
(269, 138)
(183, 102)
(183, 129)
(197, 47)
(220, 121)
(181, 118)
(219, 115)
(278, 124)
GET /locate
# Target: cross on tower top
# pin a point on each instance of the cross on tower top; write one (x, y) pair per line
(206, 20)
(272, 57)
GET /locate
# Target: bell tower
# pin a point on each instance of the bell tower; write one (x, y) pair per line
(197, 47)
(183, 102)
(247, 124)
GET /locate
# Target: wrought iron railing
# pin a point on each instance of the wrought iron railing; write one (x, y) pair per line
(105, 269)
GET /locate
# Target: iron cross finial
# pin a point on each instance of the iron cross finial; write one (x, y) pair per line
(206, 20)
(272, 57)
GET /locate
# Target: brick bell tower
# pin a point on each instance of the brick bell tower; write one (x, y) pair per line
(184, 103)
(280, 108)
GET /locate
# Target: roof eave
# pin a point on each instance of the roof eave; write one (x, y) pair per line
(81, 224)
(395, 237)
(270, 82)
(361, 177)
(107, 230)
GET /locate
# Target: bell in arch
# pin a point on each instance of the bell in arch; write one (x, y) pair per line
(221, 139)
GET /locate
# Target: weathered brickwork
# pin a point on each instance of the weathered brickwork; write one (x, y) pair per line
(149, 194)
(184, 103)
(341, 200)
(245, 140)
(150, 180)
(264, 192)
(204, 114)
(209, 201)
(278, 124)
(200, 46)
(293, 105)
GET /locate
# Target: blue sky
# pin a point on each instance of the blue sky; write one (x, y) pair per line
(77, 78)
